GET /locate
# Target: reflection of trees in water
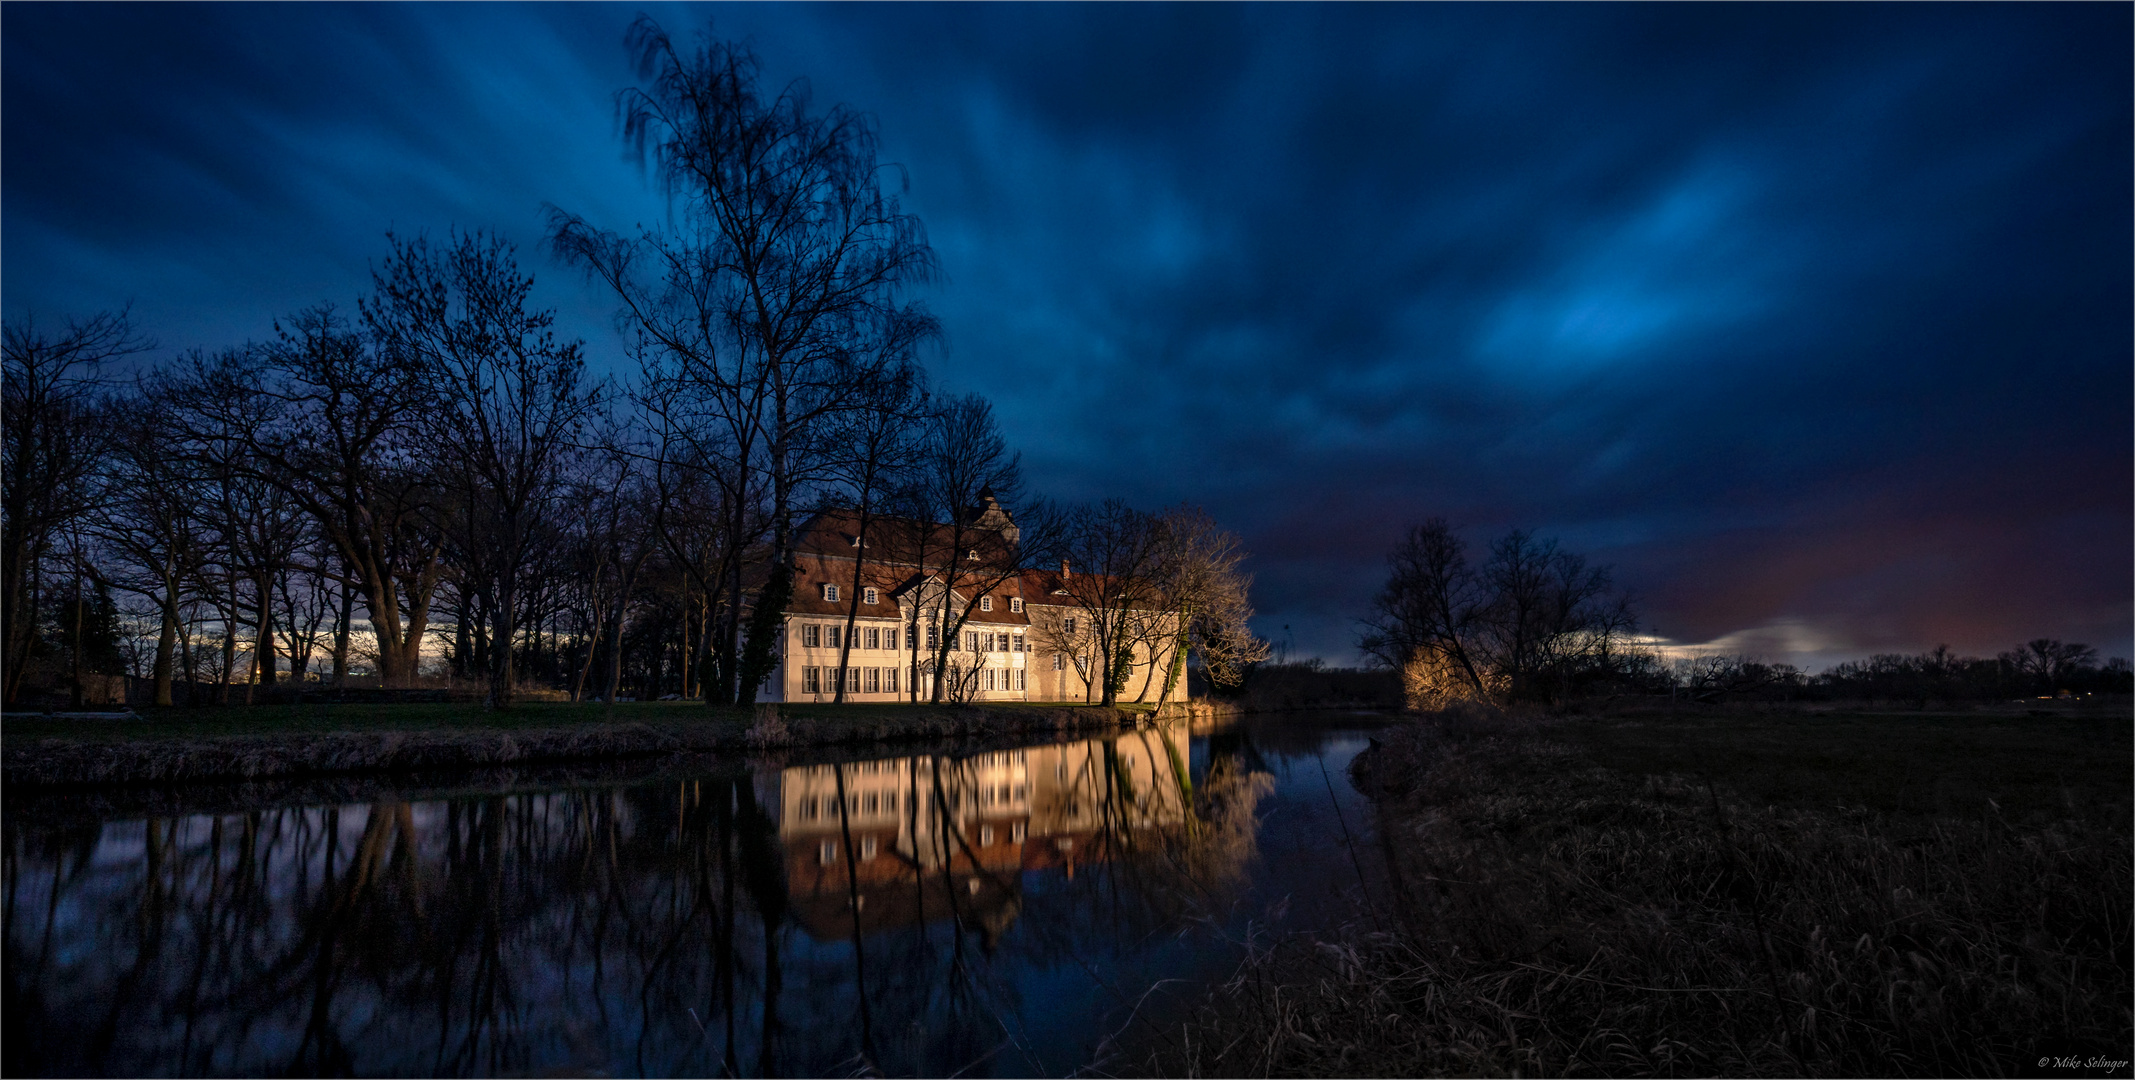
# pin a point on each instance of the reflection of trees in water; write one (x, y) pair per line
(645, 929)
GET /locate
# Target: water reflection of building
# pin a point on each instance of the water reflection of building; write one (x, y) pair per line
(923, 837)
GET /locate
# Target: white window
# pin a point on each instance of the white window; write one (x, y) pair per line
(811, 680)
(1056, 661)
(1021, 679)
(828, 852)
(972, 555)
(870, 803)
(1015, 604)
(867, 847)
(830, 592)
(911, 637)
(971, 641)
(1068, 625)
(874, 680)
(989, 679)
(874, 638)
(889, 802)
(811, 636)
(870, 596)
(933, 638)
(852, 680)
(830, 635)
(1017, 832)
(889, 680)
(1019, 644)
(985, 836)
(985, 603)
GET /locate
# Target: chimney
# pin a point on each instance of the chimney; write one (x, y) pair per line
(1064, 569)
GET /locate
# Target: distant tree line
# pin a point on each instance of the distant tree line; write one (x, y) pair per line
(2040, 668)
(431, 478)
(1533, 622)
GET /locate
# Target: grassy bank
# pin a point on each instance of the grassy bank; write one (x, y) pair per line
(1747, 894)
(261, 742)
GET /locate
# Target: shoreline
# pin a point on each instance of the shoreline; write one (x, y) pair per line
(52, 763)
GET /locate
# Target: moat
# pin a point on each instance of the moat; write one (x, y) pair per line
(943, 910)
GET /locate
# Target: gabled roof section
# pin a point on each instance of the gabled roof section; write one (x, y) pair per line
(898, 540)
(1003, 612)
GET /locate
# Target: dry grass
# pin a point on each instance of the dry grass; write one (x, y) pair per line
(1591, 897)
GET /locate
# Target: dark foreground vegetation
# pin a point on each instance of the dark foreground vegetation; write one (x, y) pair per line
(1749, 893)
(263, 742)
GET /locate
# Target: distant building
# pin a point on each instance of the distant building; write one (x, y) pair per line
(1026, 638)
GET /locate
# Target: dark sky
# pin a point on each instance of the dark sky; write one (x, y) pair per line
(1814, 320)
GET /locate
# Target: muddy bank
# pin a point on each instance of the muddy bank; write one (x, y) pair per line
(54, 762)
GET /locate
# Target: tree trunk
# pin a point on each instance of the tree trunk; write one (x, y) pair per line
(1176, 670)
(263, 640)
(229, 645)
(852, 610)
(502, 676)
(75, 695)
(683, 689)
(615, 654)
(185, 654)
(166, 642)
(578, 687)
(765, 621)
(341, 631)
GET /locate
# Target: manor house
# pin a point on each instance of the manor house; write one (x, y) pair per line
(1026, 638)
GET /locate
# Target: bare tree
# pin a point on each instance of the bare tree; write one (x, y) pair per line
(52, 384)
(2046, 663)
(1532, 624)
(958, 531)
(1432, 611)
(870, 451)
(505, 404)
(1204, 597)
(612, 508)
(150, 517)
(781, 289)
(1116, 553)
(334, 422)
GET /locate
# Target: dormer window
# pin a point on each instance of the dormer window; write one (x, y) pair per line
(985, 603)
(870, 596)
(972, 555)
(830, 592)
(1015, 604)
(856, 541)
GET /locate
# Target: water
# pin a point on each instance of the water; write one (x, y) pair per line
(959, 910)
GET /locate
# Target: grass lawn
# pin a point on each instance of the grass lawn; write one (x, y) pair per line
(308, 720)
